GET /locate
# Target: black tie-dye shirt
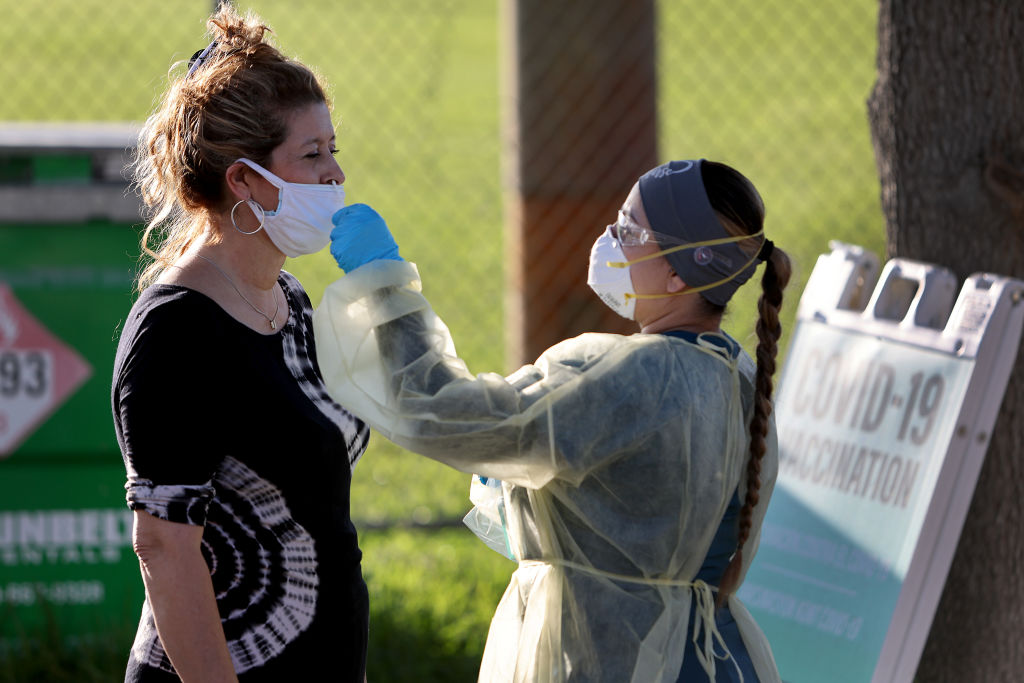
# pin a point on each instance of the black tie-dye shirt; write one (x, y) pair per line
(224, 427)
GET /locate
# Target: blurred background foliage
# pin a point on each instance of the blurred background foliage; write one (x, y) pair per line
(776, 88)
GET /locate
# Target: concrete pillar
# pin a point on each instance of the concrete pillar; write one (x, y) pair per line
(579, 124)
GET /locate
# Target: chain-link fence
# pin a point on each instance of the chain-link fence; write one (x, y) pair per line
(415, 96)
(776, 88)
(779, 90)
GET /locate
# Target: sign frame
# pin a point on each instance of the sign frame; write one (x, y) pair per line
(911, 305)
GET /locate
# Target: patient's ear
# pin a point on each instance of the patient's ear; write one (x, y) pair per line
(238, 178)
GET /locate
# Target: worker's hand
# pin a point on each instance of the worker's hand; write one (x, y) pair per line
(359, 236)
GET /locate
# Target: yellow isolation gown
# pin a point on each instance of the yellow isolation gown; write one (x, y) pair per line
(619, 455)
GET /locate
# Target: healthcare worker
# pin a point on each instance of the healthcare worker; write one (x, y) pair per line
(636, 469)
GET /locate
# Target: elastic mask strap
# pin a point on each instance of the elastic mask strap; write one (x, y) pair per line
(689, 290)
(270, 178)
(691, 245)
(267, 175)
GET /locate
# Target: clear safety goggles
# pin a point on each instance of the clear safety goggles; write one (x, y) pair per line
(628, 233)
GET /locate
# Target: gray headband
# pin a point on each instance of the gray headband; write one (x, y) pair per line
(677, 205)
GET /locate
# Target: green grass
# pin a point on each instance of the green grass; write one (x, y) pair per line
(50, 656)
(432, 596)
(776, 89)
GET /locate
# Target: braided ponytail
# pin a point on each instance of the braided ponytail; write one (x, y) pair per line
(741, 209)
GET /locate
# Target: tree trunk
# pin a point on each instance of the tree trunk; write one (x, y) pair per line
(947, 119)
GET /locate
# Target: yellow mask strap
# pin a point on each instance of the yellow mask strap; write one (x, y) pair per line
(692, 290)
(692, 245)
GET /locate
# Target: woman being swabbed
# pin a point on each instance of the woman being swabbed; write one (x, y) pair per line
(636, 469)
(230, 441)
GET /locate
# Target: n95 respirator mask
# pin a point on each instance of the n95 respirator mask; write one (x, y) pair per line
(613, 285)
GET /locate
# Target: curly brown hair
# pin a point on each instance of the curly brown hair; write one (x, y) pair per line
(234, 105)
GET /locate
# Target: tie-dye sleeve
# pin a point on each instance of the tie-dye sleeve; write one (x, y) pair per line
(157, 393)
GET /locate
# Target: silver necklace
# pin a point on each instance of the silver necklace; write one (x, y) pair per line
(271, 320)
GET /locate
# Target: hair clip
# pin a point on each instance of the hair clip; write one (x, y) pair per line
(200, 58)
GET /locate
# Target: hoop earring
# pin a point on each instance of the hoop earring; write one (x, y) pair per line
(252, 206)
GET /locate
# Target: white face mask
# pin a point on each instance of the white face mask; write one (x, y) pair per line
(301, 222)
(611, 284)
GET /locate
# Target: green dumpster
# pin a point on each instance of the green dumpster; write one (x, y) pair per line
(68, 253)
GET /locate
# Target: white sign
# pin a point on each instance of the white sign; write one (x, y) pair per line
(884, 412)
(860, 419)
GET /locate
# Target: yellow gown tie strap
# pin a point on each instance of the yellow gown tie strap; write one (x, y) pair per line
(703, 618)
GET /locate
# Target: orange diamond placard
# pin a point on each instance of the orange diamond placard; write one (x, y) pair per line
(38, 372)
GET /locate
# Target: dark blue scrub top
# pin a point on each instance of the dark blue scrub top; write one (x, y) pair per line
(717, 559)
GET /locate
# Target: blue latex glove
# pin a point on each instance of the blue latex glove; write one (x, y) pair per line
(359, 236)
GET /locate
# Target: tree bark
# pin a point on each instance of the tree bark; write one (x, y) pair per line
(947, 120)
